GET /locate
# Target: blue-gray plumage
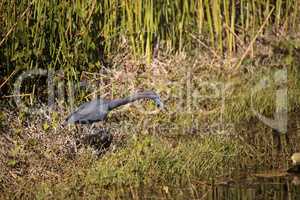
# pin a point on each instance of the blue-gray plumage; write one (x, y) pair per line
(97, 110)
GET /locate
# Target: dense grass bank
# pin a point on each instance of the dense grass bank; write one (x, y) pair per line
(193, 144)
(204, 58)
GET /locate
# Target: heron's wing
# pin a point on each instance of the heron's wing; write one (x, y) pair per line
(87, 107)
(87, 110)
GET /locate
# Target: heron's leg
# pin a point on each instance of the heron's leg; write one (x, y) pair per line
(90, 130)
(77, 137)
(77, 132)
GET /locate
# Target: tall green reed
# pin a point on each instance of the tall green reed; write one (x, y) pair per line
(72, 35)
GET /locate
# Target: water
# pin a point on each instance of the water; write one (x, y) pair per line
(257, 186)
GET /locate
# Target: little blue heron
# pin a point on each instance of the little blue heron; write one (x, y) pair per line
(97, 110)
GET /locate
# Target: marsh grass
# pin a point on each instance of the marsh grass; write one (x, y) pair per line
(179, 146)
(79, 35)
(195, 140)
(151, 160)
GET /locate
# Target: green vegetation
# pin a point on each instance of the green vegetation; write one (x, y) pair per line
(78, 35)
(203, 57)
(150, 160)
(166, 148)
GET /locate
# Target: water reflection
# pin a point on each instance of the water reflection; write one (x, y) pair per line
(252, 187)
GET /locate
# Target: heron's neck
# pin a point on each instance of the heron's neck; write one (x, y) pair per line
(119, 102)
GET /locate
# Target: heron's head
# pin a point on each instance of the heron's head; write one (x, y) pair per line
(154, 96)
(158, 102)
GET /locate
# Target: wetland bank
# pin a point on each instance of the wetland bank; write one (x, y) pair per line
(227, 73)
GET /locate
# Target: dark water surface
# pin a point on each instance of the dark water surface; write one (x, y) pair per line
(256, 186)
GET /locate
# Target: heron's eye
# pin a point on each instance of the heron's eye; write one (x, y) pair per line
(158, 102)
